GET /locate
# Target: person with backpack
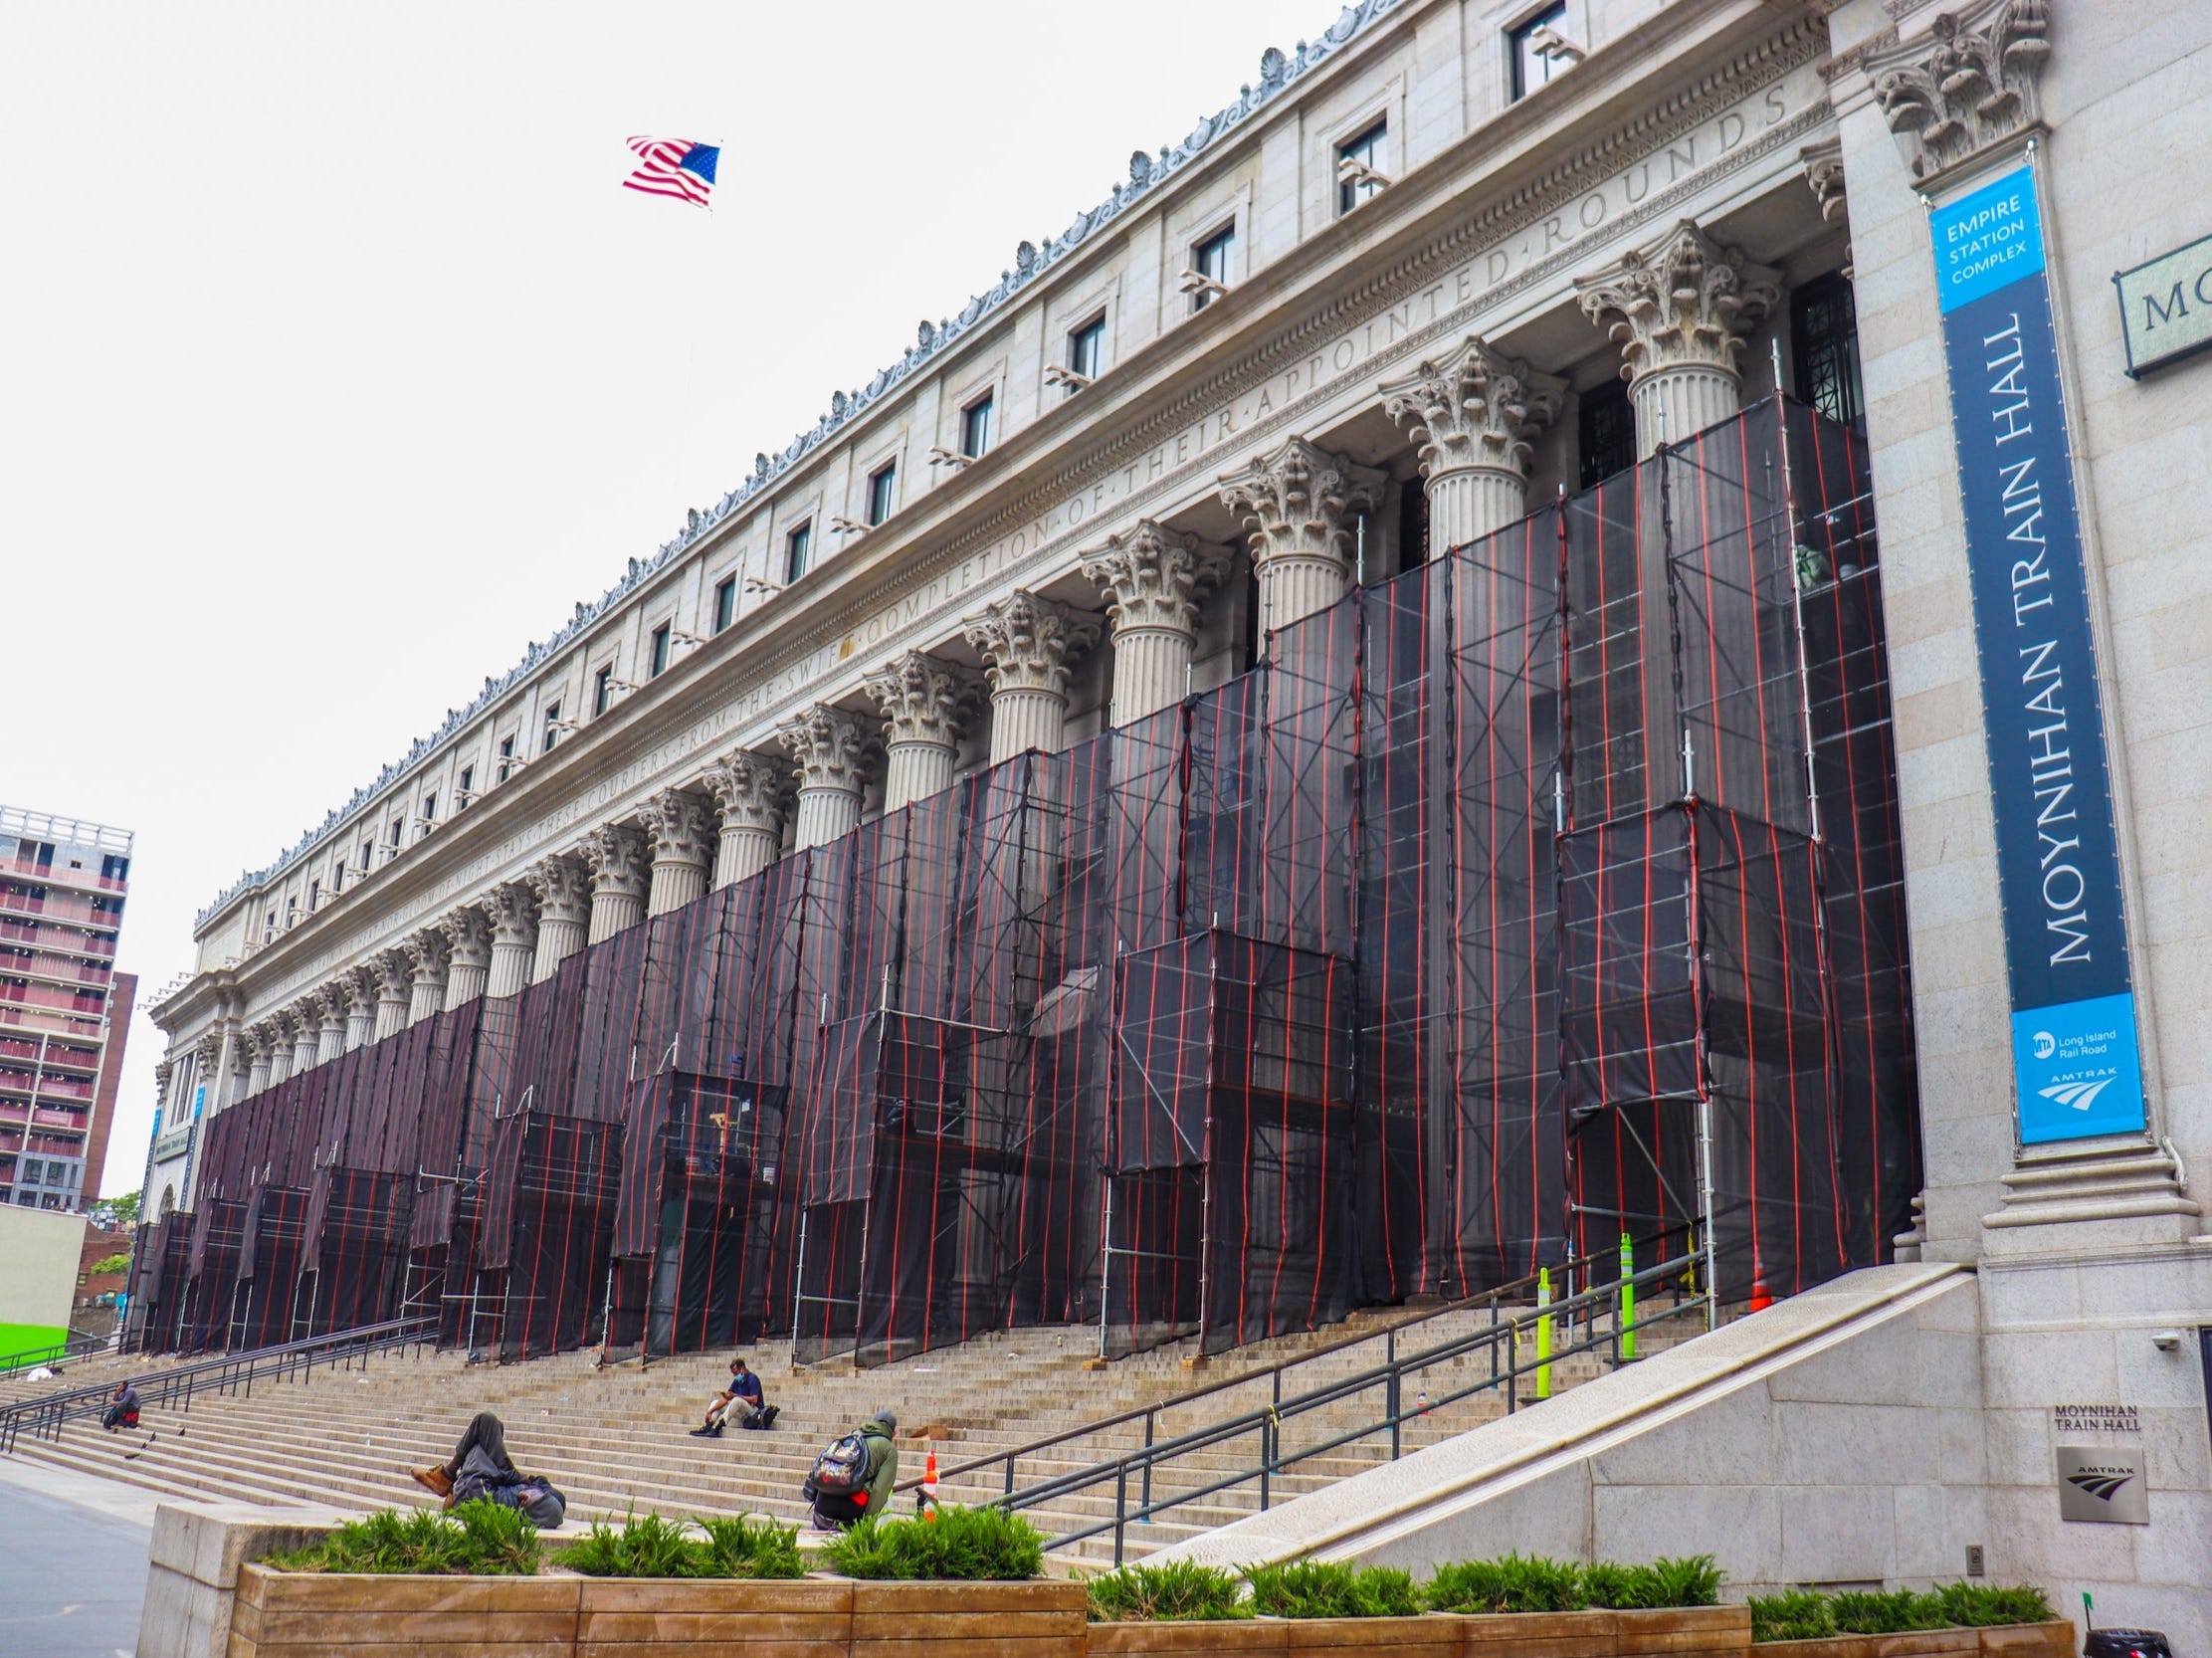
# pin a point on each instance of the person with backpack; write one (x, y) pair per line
(123, 1408)
(855, 1475)
(740, 1399)
(480, 1471)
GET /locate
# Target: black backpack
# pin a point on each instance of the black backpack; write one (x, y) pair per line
(841, 1468)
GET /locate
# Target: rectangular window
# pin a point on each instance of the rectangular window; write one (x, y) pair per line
(975, 427)
(1606, 432)
(1824, 347)
(796, 548)
(1533, 66)
(882, 483)
(725, 602)
(430, 810)
(468, 789)
(552, 728)
(602, 690)
(1210, 259)
(1370, 149)
(507, 754)
(399, 829)
(315, 893)
(1087, 348)
(660, 651)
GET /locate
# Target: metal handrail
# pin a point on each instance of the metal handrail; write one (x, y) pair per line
(45, 1415)
(1517, 1290)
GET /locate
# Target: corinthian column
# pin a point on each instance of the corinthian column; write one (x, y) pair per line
(749, 790)
(681, 834)
(468, 933)
(616, 854)
(261, 1050)
(1473, 414)
(430, 953)
(513, 939)
(921, 699)
(330, 1042)
(1300, 504)
(360, 1006)
(1680, 311)
(827, 746)
(564, 892)
(391, 994)
(1027, 644)
(306, 1031)
(1152, 578)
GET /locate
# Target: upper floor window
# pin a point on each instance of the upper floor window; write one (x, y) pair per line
(368, 855)
(602, 690)
(467, 790)
(552, 728)
(398, 830)
(1605, 429)
(975, 427)
(430, 810)
(725, 602)
(798, 547)
(315, 893)
(658, 650)
(1087, 349)
(1371, 150)
(1533, 63)
(1210, 259)
(1824, 347)
(883, 482)
(506, 759)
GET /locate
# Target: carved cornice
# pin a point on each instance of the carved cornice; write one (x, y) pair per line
(1153, 576)
(1474, 408)
(922, 698)
(1028, 643)
(468, 933)
(615, 853)
(514, 912)
(562, 887)
(829, 746)
(1686, 302)
(748, 789)
(1968, 85)
(1299, 500)
(681, 827)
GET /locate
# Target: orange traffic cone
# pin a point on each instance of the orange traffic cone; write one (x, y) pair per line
(1762, 1296)
(929, 1484)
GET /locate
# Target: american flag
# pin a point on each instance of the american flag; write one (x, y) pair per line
(679, 167)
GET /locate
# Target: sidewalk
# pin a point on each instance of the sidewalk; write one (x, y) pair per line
(72, 1563)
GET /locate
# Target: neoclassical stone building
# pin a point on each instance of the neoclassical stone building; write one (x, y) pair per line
(1443, 262)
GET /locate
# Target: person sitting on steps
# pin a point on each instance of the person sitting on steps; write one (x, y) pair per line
(123, 1408)
(479, 1469)
(742, 1399)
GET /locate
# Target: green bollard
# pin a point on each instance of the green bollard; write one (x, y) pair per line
(1626, 1321)
(1543, 1333)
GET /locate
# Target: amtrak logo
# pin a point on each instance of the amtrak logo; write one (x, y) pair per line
(2078, 1095)
(2098, 1482)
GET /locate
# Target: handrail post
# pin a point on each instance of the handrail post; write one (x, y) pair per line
(1393, 1393)
(1145, 1513)
(1121, 1505)
(1267, 1454)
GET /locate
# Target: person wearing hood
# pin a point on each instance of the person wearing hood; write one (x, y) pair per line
(856, 1473)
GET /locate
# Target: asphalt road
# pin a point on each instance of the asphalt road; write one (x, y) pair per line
(71, 1576)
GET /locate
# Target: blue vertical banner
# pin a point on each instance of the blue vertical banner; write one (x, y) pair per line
(2074, 1046)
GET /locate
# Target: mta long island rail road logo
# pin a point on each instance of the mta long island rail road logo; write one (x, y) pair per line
(2102, 1485)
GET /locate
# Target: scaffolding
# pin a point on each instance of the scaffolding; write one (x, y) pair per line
(1547, 890)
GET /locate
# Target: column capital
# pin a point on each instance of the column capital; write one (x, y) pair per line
(1301, 499)
(468, 934)
(615, 853)
(828, 746)
(163, 1069)
(1685, 302)
(1966, 86)
(680, 828)
(1824, 174)
(1152, 576)
(514, 912)
(748, 789)
(261, 1040)
(307, 1011)
(1473, 408)
(563, 889)
(357, 988)
(430, 952)
(922, 697)
(1027, 642)
(393, 970)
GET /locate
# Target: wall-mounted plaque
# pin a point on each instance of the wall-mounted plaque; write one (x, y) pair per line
(2165, 307)
(2104, 1483)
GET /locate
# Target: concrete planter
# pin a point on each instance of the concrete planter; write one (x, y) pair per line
(2009, 1640)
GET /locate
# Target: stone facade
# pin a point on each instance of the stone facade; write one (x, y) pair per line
(1419, 363)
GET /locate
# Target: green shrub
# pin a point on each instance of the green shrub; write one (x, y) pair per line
(1886, 1611)
(1510, 1584)
(741, 1546)
(478, 1539)
(1174, 1590)
(1676, 1581)
(1979, 1605)
(1796, 1615)
(966, 1544)
(1331, 1590)
(643, 1546)
(112, 1263)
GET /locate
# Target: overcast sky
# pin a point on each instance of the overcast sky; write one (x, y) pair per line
(335, 366)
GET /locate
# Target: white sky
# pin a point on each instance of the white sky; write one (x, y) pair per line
(335, 366)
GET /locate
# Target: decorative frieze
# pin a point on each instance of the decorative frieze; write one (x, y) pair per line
(1028, 644)
(922, 698)
(749, 791)
(1152, 579)
(1300, 503)
(1475, 414)
(1967, 85)
(829, 747)
(680, 829)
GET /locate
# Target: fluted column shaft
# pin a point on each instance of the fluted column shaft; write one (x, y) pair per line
(306, 1035)
(1300, 505)
(828, 746)
(1152, 576)
(1474, 412)
(337, 1021)
(681, 831)
(469, 954)
(258, 1052)
(563, 892)
(427, 953)
(360, 1007)
(1028, 644)
(392, 995)
(616, 856)
(748, 792)
(513, 939)
(920, 698)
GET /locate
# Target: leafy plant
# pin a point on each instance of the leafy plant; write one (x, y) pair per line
(1675, 1581)
(1794, 1615)
(480, 1540)
(743, 1547)
(1331, 1590)
(643, 1546)
(1512, 1584)
(1173, 1589)
(961, 1543)
(110, 1263)
(1886, 1611)
(1979, 1605)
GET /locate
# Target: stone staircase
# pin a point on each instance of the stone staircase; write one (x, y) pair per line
(615, 1440)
